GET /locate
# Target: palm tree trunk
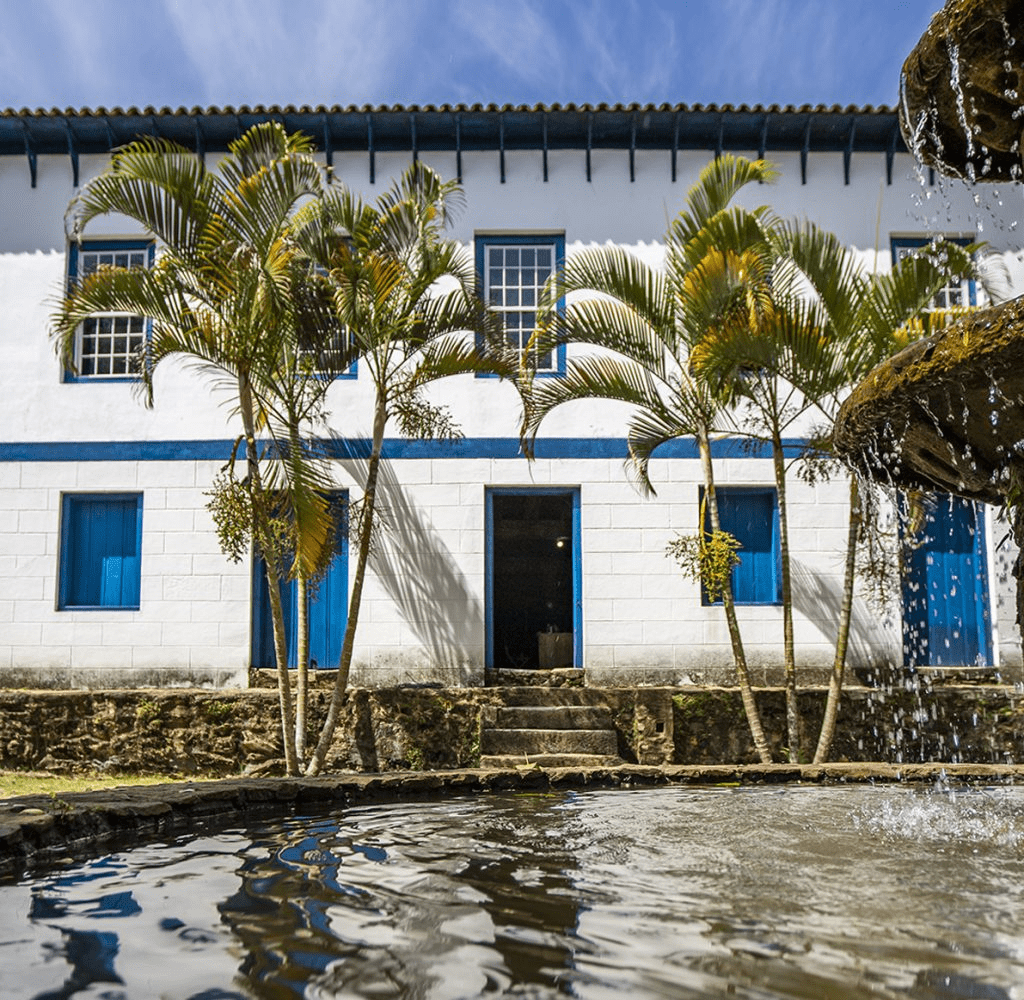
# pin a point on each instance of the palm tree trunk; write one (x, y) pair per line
(793, 722)
(302, 616)
(835, 684)
(739, 657)
(316, 762)
(301, 667)
(284, 689)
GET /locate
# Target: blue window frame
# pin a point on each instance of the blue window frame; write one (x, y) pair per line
(512, 271)
(324, 362)
(958, 294)
(100, 551)
(751, 515)
(108, 346)
(327, 610)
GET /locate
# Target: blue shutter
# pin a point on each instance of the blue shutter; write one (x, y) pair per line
(100, 551)
(751, 516)
(945, 589)
(328, 610)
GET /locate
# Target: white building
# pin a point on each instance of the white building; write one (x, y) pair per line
(486, 549)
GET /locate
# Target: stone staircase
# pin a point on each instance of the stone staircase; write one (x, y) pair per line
(548, 727)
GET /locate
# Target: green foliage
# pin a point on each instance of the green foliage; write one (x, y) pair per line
(818, 462)
(147, 711)
(414, 758)
(707, 557)
(230, 506)
(707, 706)
(218, 711)
(58, 804)
(418, 418)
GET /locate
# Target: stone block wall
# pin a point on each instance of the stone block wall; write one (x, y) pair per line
(182, 733)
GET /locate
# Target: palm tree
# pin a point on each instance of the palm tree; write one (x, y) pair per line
(646, 324)
(757, 308)
(228, 293)
(826, 326)
(874, 316)
(406, 297)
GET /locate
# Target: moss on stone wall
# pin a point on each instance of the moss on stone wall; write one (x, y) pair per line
(181, 733)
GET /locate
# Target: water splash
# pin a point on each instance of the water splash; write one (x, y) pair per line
(947, 813)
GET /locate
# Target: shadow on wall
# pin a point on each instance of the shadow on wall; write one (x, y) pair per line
(820, 600)
(417, 571)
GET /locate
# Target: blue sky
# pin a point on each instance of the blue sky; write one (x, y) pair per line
(93, 53)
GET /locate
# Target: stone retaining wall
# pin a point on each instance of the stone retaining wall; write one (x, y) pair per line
(184, 732)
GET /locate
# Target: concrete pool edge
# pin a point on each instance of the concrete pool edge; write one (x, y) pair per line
(38, 831)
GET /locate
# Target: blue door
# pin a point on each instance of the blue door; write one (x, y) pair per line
(945, 588)
(328, 612)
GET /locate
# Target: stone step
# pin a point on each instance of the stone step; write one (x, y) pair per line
(515, 697)
(521, 742)
(553, 717)
(557, 677)
(508, 761)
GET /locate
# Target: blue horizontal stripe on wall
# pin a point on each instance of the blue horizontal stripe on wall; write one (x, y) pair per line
(394, 448)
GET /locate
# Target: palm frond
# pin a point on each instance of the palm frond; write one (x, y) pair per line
(906, 294)
(609, 378)
(647, 431)
(608, 325)
(831, 271)
(617, 274)
(160, 184)
(718, 184)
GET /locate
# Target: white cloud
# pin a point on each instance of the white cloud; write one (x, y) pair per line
(205, 52)
(261, 51)
(518, 38)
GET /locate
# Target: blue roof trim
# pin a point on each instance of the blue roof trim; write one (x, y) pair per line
(394, 448)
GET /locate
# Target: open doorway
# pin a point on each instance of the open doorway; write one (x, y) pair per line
(534, 609)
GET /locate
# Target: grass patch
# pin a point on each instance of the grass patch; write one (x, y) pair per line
(43, 783)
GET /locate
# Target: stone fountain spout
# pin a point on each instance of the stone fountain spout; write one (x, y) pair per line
(962, 90)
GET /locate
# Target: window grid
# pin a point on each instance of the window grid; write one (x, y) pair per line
(109, 345)
(954, 295)
(325, 364)
(514, 276)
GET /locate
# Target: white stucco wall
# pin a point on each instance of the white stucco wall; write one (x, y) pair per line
(640, 617)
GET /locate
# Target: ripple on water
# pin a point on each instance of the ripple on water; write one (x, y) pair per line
(757, 893)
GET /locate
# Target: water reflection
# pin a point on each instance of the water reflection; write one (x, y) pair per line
(414, 911)
(764, 893)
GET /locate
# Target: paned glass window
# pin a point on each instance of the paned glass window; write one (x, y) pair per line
(958, 294)
(326, 362)
(513, 271)
(109, 345)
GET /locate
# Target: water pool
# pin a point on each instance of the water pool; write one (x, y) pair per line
(789, 892)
